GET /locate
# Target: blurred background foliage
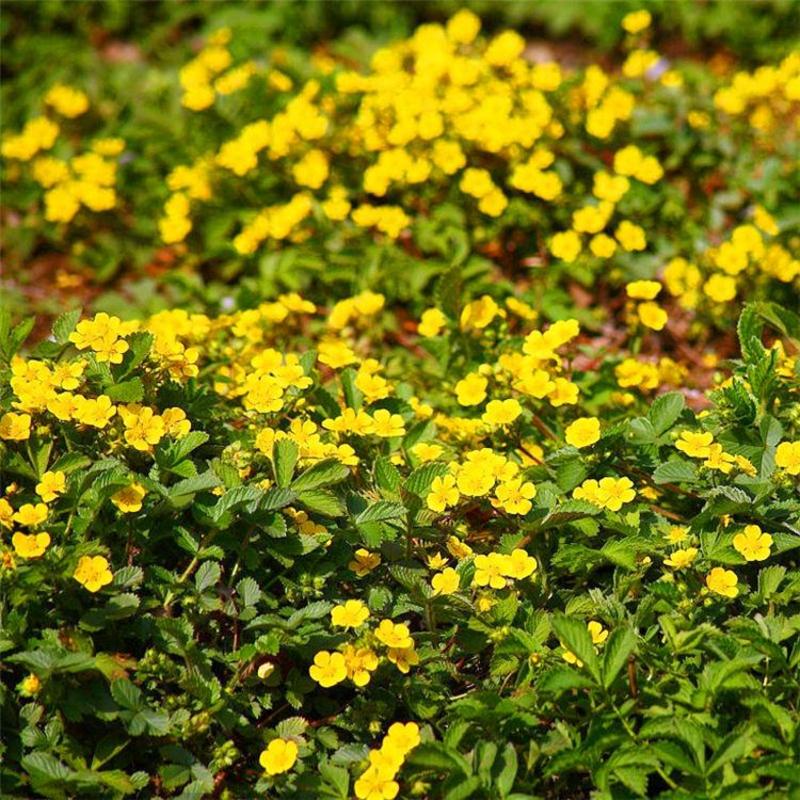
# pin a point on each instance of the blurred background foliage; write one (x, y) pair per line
(126, 55)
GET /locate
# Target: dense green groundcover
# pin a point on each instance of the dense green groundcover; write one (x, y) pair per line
(222, 544)
(383, 429)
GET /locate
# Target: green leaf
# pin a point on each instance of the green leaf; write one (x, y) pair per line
(324, 473)
(387, 475)
(248, 591)
(11, 339)
(420, 480)
(733, 747)
(675, 471)
(131, 391)
(562, 679)
(191, 486)
(45, 769)
(383, 511)
(448, 292)
(749, 330)
(312, 611)
(126, 694)
(575, 637)
(508, 764)
(172, 453)
(284, 459)
(616, 652)
(434, 755)
(353, 396)
(665, 411)
(321, 501)
(65, 325)
(207, 575)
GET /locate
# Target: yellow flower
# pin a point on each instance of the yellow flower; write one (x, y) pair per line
(175, 422)
(15, 427)
(613, 493)
(458, 549)
(94, 412)
(677, 534)
(652, 316)
(695, 445)
(376, 784)
(501, 412)
(752, 543)
(514, 496)
(519, 565)
(102, 335)
(364, 562)
(474, 480)
(403, 658)
(570, 657)
(30, 685)
(387, 425)
(636, 21)
(51, 485)
(490, 571)
(31, 515)
(352, 614)
(394, 635)
(431, 322)
(463, 27)
(566, 246)
(443, 493)
(787, 456)
(445, 582)
(402, 737)
(360, 662)
(328, 669)
(93, 573)
(584, 432)
(129, 499)
(425, 451)
(720, 288)
(30, 545)
(279, 756)
(722, 581)
(598, 633)
(681, 559)
(471, 391)
(67, 101)
(478, 314)
(630, 236)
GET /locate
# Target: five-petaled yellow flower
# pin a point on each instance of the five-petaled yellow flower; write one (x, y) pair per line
(351, 614)
(279, 756)
(93, 573)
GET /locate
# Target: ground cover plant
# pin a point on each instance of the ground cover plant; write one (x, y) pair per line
(325, 175)
(424, 418)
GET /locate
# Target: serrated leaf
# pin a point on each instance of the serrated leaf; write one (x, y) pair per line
(616, 652)
(574, 635)
(207, 575)
(665, 411)
(387, 475)
(45, 768)
(65, 325)
(321, 501)
(420, 480)
(675, 471)
(324, 473)
(284, 459)
(249, 591)
(382, 511)
(131, 391)
(126, 694)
